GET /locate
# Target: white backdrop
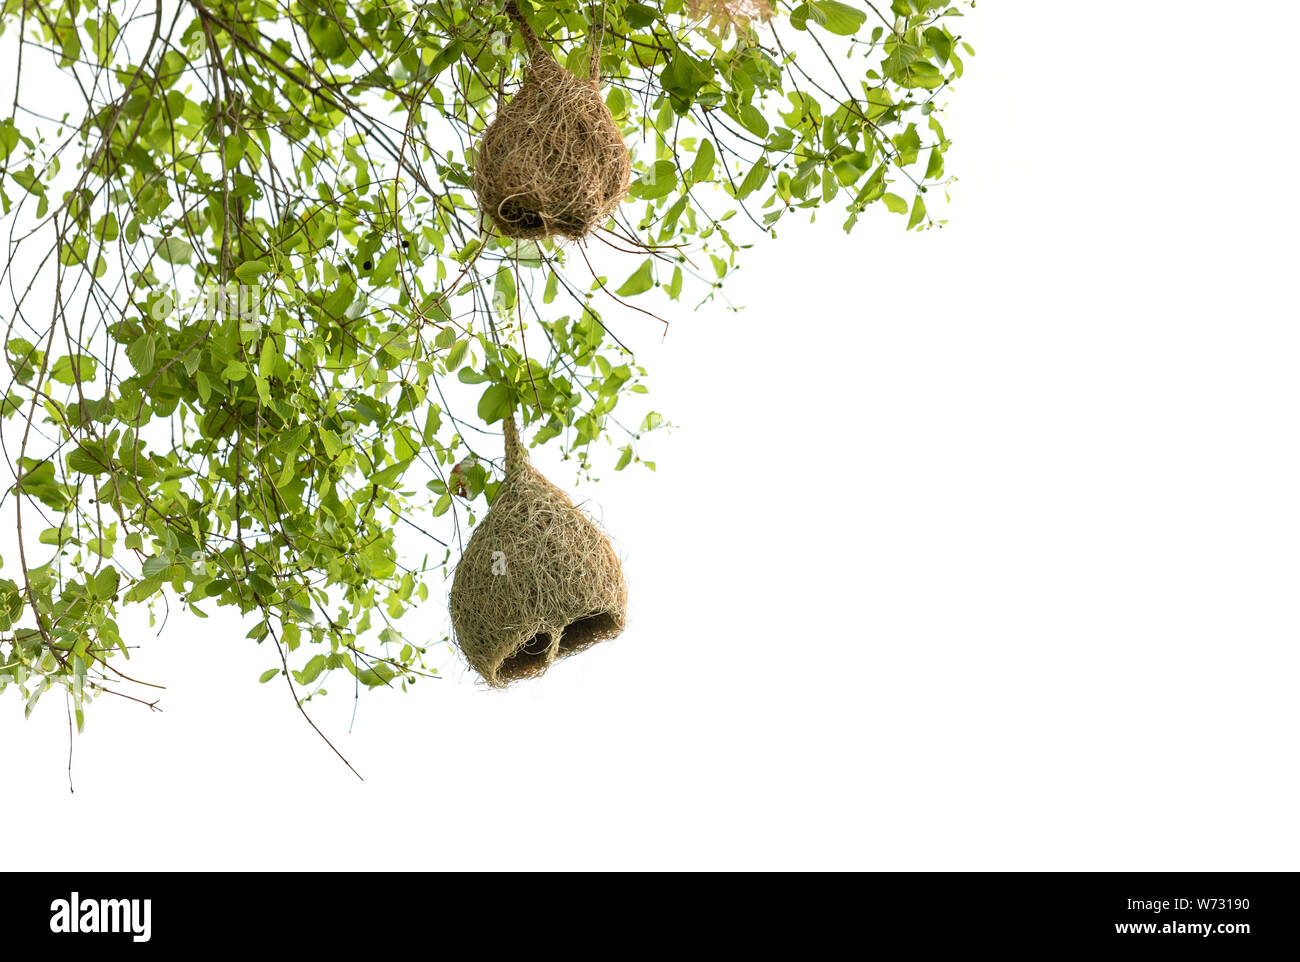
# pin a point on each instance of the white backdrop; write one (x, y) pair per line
(993, 567)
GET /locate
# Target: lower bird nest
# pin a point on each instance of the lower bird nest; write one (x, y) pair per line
(553, 161)
(537, 582)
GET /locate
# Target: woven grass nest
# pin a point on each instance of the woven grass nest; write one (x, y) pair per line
(552, 162)
(537, 582)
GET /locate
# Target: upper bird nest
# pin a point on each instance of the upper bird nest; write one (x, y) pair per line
(552, 162)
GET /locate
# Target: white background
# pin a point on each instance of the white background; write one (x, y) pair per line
(977, 548)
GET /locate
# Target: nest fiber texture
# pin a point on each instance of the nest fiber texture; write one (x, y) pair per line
(552, 162)
(538, 580)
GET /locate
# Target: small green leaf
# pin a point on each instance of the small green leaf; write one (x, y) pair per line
(266, 359)
(140, 353)
(56, 536)
(503, 293)
(9, 137)
(11, 604)
(674, 288)
(839, 18)
(640, 282)
(68, 370)
(174, 250)
(154, 566)
(311, 671)
(755, 179)
(235, 371)
(895, 203)
(658, 181)
(106, 582)
(495, 403)
(752, 120)
(918, 212)
(89, 460)
(457, 354)
(251, 270)
(934, 170)
(705, 158)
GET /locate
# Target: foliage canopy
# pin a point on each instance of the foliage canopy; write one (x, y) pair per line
(247, 290)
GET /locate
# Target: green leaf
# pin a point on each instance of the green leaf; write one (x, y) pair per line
(503, 294)
(311, 671)
(918, 212)
(56, 536)
(391, 475)
(934, 170)
(752, 120)
(378, 674)
(940, 40)
(155, 566)
(9, 138)
(69, 45)
(639, 15)
(839, 18)
(87, 460)
(658, 181)
(674, 288)
(755, 179)
(494, 404)
(174, 250)
(140, 353)
(268, 675)
(895, 203)
(68, 370)
(250, 271)
(11, 604)
(103, 36)
(925, 75)
(267, 358)
(705, 158)
(457, 354)
(640, 281)
(106, 582)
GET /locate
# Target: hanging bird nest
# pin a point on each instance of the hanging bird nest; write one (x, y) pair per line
(552, 162)
(537, 582)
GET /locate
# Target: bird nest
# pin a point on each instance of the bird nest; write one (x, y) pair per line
(537, 582)
(553, 161)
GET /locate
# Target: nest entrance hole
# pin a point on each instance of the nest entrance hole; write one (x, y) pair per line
(535, 655)
(530, 658)
(585, 632)
(521, 216)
